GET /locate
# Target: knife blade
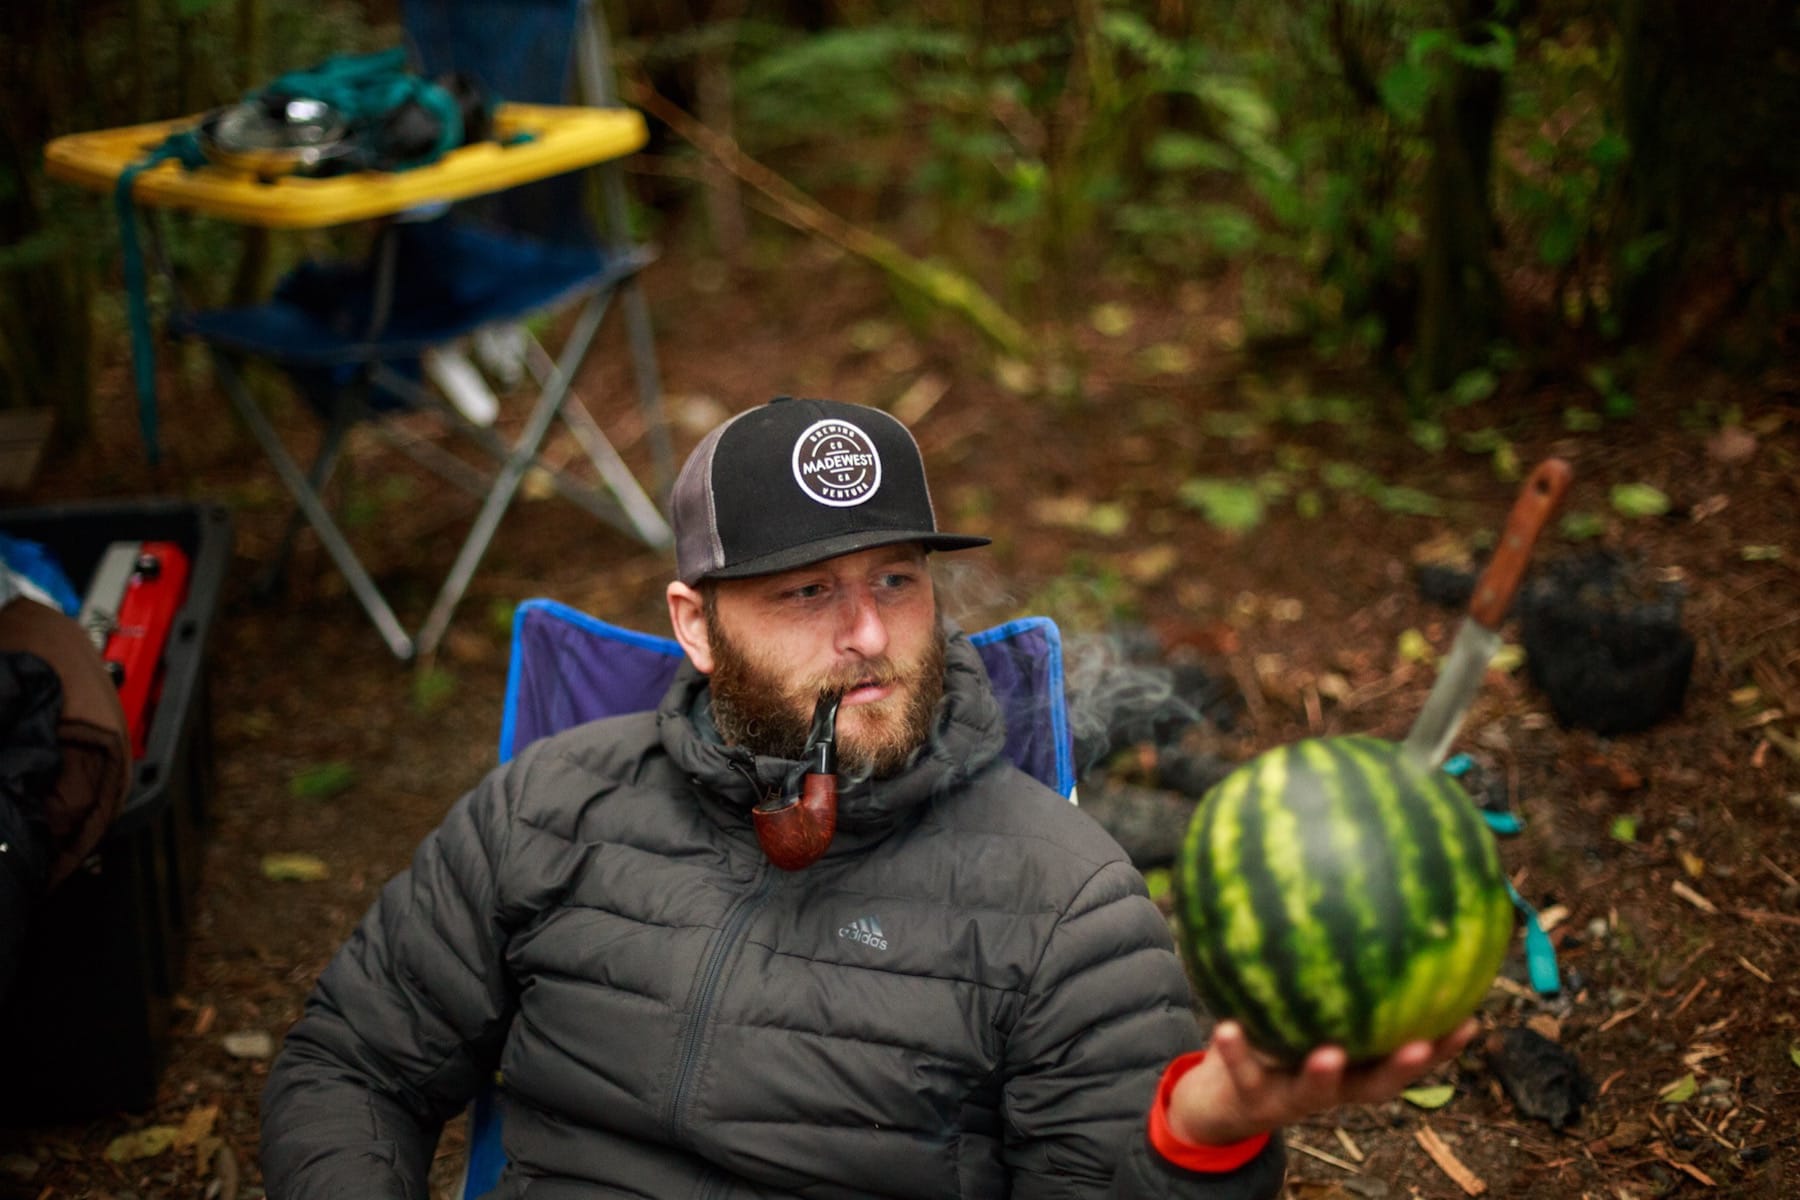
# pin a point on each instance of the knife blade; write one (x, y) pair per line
(1478, 637)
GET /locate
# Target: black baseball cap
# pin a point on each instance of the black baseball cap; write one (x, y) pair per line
(794, 482)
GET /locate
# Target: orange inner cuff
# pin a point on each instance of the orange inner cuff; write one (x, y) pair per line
(1190, 1155)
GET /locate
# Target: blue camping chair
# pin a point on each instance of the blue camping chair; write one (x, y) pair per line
(366, 339)
(568, 668)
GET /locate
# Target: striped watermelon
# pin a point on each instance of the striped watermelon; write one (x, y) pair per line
(1333, 891)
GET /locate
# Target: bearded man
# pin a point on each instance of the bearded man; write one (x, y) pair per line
(662, 984)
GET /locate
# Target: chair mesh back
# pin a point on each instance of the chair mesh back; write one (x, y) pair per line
(519, 50)
(568, 667)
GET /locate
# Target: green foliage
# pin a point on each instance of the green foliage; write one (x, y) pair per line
(1582, 526)
(1227, 504)
(846, 82)
(432, 688)
(1087, 595)
(1285, 148)
(1638, 500)
(1406, 501)
(322, 781)
(1474, 386)
(1288, 142)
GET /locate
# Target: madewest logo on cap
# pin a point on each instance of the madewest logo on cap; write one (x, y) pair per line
(794, 482)
(837, 463)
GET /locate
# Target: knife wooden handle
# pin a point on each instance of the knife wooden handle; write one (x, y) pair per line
(1538, 499)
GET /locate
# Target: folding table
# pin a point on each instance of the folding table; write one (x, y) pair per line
(530, 142)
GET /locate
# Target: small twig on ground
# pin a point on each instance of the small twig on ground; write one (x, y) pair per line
(1333, 1159)
(1249, 688)
(1693, 993)
(1447, 1162)
(1754, 969)
(1778, 872)
(1782, 742)
(1694, 898)
(1763, 916)
(1623, 1014)
(225, 1174)
(1667, 1159)
(1712, 1133)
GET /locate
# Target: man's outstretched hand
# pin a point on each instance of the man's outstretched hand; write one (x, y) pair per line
(1236, 1093)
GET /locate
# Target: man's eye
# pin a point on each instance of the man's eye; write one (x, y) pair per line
(808, 591)
(898, 579)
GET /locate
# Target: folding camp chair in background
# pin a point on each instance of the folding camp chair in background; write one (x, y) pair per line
(366, 339)
(568, 668)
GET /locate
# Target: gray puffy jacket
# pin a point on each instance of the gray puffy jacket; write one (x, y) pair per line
(970, 995)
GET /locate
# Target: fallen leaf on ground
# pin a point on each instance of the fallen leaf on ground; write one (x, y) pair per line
(1699, 1052)
(1507, 659)
(198, 1124)
(1429, 1097)
(1681, 1091)
(1638, 500)
(147, 1142)
(1152, 565)
(1545, 1025)
(1111, 319)
(323, 781)
(1610, 773)
(1732, 444)
(1625, 1134)
(295, 868)
(1413, 647)
(249, 1044)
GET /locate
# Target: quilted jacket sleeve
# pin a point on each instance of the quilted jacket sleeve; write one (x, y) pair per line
(1108, 1008)
(403, 1023)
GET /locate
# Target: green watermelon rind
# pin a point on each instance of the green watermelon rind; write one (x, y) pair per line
(1401, 940)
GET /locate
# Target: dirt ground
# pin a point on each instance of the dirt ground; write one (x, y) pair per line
(1665, 858)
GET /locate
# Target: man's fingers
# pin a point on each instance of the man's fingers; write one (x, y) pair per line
(1394, 1072)
(1385, 1079)
(1322, 1074)
(1230, 1044)
(1453, 1043)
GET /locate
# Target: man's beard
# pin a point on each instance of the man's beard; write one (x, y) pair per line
(753, 708)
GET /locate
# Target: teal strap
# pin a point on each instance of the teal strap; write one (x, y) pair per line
(366, 87)
(184, 148)
(1503, 823)
(1540, 955)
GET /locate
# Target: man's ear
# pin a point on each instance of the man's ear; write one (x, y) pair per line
(687, 617)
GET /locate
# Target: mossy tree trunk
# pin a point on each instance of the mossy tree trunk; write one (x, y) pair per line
(45, 335)
(251, 278)
(1708, 97)
(1459, 297)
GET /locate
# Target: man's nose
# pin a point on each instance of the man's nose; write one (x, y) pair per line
(861, 628)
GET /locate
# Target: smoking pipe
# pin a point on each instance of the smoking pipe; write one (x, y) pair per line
(795, 828)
